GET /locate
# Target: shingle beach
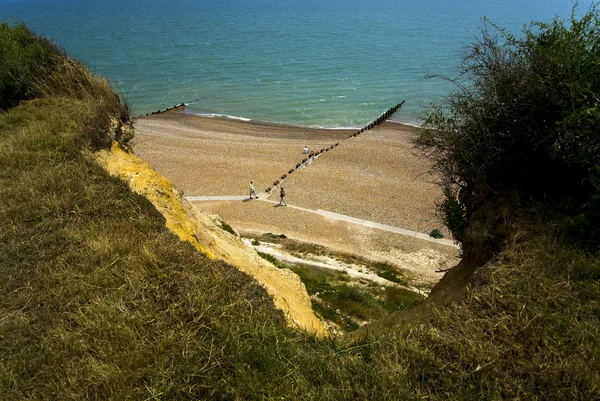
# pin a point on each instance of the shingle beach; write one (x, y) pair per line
(375, 176)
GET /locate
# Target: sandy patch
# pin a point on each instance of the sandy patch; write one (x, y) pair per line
(423, 260)
(208, 156)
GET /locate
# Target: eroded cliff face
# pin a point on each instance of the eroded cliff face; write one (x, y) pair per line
(206, 235)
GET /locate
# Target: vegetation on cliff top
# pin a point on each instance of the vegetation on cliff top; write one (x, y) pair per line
(99, 301)
(522, 127)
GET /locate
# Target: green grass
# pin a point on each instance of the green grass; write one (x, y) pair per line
(529, 329)
(388, 272)
(19, 76)
(268, 257)
(300, 249)
(436, 233)
(95, 291)
(228, 228)
(274, 236)
(349, 305)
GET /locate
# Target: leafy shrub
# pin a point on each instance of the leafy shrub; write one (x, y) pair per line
(268, 257)
(31, 67)
(400, 299)
(436, 233)
(387, 271)
(390, 276)
(26, 59)
(522, 123)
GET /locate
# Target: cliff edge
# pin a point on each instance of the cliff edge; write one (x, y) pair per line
(205, 234)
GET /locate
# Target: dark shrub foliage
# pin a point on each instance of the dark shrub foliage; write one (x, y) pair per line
(228, 228)
(25, 59)
(523, 120)
(31, 67)
(436, 233)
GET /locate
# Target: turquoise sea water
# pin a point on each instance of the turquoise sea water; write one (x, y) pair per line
(328, 63)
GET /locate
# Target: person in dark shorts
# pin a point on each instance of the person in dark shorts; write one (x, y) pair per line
(282, 197)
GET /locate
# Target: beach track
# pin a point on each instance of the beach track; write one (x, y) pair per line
(331, 215)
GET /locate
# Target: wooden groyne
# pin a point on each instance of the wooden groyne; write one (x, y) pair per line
(313, 155)
(176, 107)
(384, 116)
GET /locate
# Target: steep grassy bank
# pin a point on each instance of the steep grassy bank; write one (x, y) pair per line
(96, 293)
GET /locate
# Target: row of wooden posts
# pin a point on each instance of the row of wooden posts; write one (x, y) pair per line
(372, 125)
(177, 106)
(379, 119)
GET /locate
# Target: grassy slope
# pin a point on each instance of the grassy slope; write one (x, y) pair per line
(98, 300)
(96, 293)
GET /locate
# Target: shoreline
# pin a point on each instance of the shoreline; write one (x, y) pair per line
(183, 109)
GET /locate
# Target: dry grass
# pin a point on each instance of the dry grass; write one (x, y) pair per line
(529, 328)
(96, 293)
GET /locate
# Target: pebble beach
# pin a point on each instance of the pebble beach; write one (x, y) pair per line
(375, 176)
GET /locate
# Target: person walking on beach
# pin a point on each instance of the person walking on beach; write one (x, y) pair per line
(282, 197)
(252, 190)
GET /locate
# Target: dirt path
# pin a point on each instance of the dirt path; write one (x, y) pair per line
(336, 216)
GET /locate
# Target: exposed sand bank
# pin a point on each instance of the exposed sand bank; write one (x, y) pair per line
(205, 234)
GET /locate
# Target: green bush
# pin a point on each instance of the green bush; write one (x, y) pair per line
(268, 257)
(436, 233)
(26, 59)
(523, 121)
(32, 67)
(400, 299)
(390, 276)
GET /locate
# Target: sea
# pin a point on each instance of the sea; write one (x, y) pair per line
(313, 63)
